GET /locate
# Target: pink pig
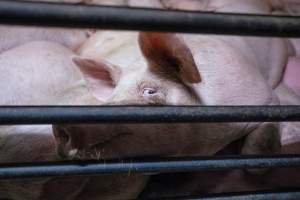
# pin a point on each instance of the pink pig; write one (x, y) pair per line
(51, 74)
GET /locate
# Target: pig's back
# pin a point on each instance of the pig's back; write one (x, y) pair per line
(35, 73)
(228, 76)
(13, 36)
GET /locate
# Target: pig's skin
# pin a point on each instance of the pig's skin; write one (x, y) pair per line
(13, 36)
(291, 72)
(53, 63)
(145, 3)
(291, 75)
(170, 185)
(47, 75)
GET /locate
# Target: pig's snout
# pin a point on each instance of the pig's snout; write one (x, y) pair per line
(88, 141)
(63, 142)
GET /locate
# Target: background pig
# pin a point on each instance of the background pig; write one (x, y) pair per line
(145, 3)
(196, 5)
(12, 36)
(50, 74)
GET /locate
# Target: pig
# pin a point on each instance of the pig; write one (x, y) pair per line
(51, 74)
(13, 36)
(291, 72)
(145, 3)
(173, 69)
(158, 84)
(267, 58)
(196, 5)
(188, 76)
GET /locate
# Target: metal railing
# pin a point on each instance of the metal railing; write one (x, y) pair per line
(139, 19)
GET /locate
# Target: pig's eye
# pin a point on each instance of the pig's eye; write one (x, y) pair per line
(149, 91)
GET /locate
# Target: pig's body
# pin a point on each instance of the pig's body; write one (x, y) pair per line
(13, 36)
(41, 73)
(274, 46)
(203, 183)
(31, 80)
(46, 75)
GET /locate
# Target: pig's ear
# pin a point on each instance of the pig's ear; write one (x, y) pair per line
(101, 76)
(168, 53)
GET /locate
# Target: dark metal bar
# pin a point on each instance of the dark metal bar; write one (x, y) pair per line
(263, 195)
(163, 165)
(139, 114)
(123, 18)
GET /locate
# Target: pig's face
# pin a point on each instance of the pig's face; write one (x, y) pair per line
(163, 82)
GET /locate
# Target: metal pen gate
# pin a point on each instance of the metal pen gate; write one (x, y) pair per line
(123, 18)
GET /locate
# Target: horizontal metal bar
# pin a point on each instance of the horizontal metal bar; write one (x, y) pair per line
(263, 195)
(141, 114)
(163, 165)
(124, 18)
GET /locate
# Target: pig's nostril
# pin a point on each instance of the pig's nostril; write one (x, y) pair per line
(64, 136)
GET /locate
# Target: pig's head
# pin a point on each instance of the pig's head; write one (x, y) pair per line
(164, 81)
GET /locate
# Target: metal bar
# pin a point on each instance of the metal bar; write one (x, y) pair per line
(262, 195)
(141, 114)
(164, 165)
(138, 19)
